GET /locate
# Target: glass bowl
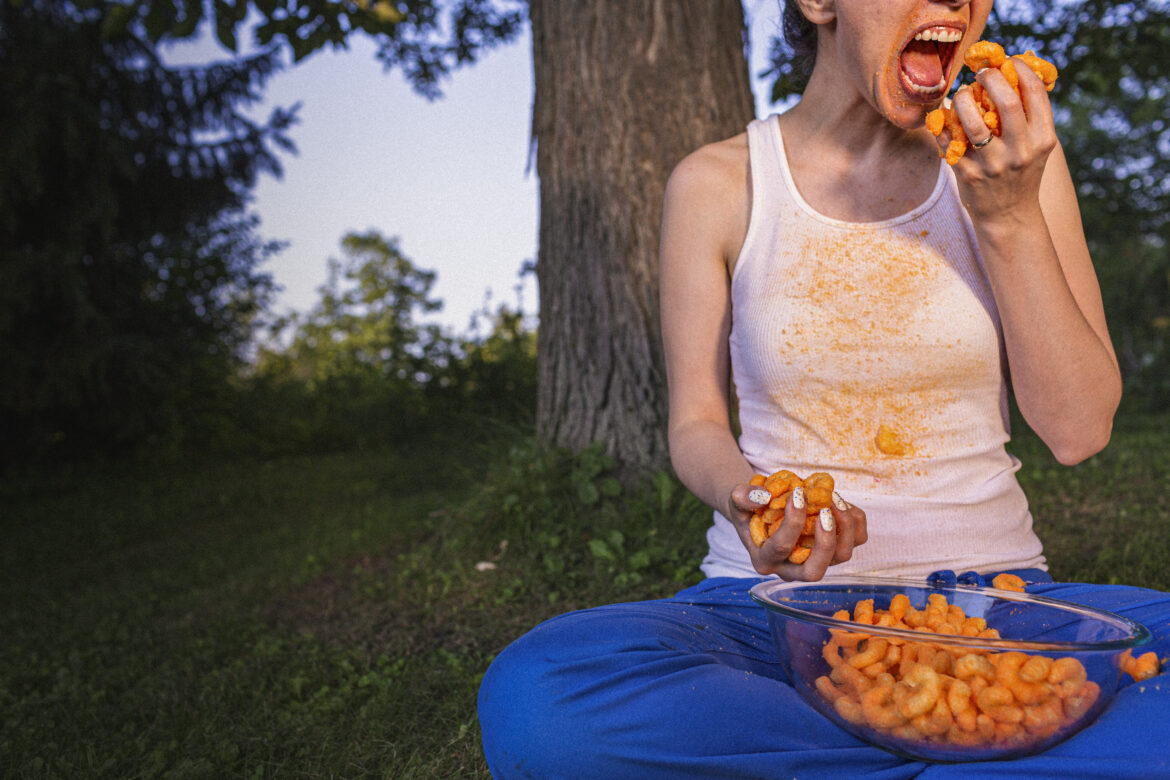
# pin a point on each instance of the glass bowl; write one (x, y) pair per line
(949, 696)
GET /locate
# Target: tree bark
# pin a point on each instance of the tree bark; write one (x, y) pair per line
(624, 89)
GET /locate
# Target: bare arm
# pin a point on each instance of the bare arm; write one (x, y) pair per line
(1023, 204)
(700, 216)
(704, 221)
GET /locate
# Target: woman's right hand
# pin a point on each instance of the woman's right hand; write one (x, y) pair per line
(839, 529)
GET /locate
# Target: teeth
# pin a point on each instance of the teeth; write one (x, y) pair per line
(939, 87)
(940, 34)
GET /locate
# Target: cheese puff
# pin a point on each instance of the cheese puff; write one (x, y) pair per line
(1141, 668)
(818, 495)
(1079, 702)
(827, 689)
(1045, 70)
(987, 108)
(810, 526)
(946, 119)
(849, 709)
(799, 555)
(1041, 67)
(818, 492)
(1008, 69)
(879, 709)
(936, 120)
(926, 688)
(899, 606)
(984, 54)
(782, 481)
(1007, 581)
(758, 530)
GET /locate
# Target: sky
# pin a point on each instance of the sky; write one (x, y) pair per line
(450, 178)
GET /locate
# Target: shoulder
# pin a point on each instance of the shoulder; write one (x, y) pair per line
(710, 191)
(715, 166)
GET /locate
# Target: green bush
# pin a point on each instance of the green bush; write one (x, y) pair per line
(570, 529)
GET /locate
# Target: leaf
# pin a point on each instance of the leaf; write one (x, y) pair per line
(664, 488)
(300, 48)
(117, 19)
(265, 32)
(588, 494)
(387, 13)
(639, 560)
(225, 25)
(189, 24)
(241, 10)
(601, 550)
(159, 19)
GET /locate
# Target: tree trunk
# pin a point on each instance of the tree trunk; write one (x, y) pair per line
(624, 90)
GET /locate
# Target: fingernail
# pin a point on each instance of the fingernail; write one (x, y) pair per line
(827, 519)
(798, 497)
(839, 502)
(759, 496)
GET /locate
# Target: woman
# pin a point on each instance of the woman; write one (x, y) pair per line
(867, 304)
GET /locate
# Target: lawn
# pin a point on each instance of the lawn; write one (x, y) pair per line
(332, 615)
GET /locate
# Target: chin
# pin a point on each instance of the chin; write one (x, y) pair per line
(903, 107)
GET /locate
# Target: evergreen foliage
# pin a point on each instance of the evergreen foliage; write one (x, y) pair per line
(129, 266)
(427, 39)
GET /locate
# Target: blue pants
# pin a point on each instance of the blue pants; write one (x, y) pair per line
(689, 687)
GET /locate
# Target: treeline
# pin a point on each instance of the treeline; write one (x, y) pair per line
(132, 281)
(362, 367)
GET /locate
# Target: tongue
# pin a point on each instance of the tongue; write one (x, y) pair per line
(921, 63)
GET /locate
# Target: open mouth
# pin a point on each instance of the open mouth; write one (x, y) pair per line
(926, 60)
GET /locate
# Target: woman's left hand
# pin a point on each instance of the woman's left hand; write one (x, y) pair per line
(1003, 177)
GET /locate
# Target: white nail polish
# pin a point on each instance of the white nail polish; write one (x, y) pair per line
(798, 497)
(827, 519)
(759, 496)
(839, 502)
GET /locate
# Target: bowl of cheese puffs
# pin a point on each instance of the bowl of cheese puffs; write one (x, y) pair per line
(948, 672)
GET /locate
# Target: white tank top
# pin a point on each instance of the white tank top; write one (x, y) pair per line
(841, 331)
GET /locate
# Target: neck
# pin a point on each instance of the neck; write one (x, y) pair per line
(849, 161)
(840, 114)
(832, 116)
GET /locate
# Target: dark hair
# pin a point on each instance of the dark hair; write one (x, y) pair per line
(801, 36)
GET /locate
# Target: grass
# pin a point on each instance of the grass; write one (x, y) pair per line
(1105, 520)
(325, 616)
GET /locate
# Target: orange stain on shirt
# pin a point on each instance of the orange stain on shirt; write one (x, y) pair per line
(876, 383)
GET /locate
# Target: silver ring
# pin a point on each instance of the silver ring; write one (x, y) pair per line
(983, 143)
